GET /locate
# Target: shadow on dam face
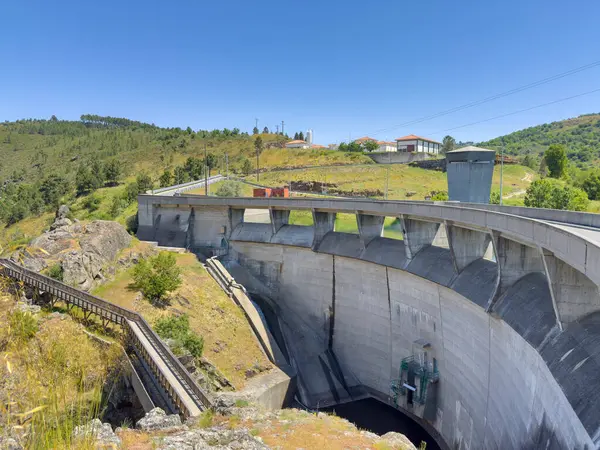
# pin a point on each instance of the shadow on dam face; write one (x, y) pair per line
(377, 417)
(368, 413)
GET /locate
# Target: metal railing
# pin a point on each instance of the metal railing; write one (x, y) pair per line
(121, 316)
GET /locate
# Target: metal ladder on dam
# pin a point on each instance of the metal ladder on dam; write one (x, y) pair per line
(178, 388)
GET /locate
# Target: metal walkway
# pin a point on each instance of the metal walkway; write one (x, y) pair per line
(182, 392)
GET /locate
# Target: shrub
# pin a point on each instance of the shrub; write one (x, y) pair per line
(23, 326)
(117, 205)
(591, 185)
(229, 189)
(177, 328)
(92, 203)
(549, 193)
(56, 271)
(441, 196)
(157, 276)
(495, 198)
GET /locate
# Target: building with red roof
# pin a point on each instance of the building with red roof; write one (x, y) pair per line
(417, 144)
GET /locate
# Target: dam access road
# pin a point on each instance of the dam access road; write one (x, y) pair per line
(482, 323)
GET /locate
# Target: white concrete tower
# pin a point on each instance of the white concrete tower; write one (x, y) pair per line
(309, 136)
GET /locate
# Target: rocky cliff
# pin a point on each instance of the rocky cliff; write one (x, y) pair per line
(77, 252)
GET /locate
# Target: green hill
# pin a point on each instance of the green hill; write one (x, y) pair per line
(580, 136)
(99, 164)
(31, 149)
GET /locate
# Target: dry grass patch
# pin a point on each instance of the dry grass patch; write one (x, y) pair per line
(229, 342)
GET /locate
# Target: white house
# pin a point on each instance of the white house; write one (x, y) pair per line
(297, 144)
(383, 145)
(417, 144)
(386, 146)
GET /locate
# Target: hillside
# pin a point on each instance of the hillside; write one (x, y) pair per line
(580, 135)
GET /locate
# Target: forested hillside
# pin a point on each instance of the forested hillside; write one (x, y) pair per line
(580, 136)
(100, 164)
(30, 149)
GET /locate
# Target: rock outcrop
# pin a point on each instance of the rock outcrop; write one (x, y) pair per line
(81, 250)
(214, 439)
(157, 419)
(100, 433)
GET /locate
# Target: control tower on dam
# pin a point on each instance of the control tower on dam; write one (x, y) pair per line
(482, 322)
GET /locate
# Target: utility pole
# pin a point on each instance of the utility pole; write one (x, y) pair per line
(387, 175)
(205, 172)
(257, 175)
(282, 130)
(226, 165)
(255, 123)
(501, 168)
(277, 128)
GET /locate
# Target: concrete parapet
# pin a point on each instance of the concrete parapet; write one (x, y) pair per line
(369, 227)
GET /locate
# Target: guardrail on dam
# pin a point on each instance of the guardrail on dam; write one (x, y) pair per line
(481, 323)
(173, 381)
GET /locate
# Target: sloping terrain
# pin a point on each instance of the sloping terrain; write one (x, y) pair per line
(580, 135)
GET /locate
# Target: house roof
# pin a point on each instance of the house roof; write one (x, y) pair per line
(296, 141)
(317, 146)
(365, 138)
(385, 143)
(412, 137)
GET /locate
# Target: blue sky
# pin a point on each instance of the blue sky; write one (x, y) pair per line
(342, 68)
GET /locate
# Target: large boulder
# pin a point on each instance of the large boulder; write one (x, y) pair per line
(83, 251)
(157, 419)
(101, 433)
(100, 243)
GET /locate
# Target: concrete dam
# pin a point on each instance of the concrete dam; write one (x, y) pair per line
(481, 322)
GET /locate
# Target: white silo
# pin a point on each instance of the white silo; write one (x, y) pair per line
(309, 136)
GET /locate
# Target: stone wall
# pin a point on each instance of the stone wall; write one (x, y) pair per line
(397, 157)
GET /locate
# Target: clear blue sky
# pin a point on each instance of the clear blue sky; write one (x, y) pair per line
(339, 67)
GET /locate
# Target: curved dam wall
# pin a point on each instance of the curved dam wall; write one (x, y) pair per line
(495, 390)
(502, 310)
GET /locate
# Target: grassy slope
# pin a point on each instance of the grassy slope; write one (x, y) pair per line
(59, 372)
(228, 340)
(403, 179)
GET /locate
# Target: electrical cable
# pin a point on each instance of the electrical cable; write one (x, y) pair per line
(493, 97)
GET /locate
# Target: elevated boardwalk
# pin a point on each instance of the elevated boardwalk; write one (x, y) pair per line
(176, 385)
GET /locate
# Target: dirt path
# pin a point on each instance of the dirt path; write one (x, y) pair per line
(529, 178)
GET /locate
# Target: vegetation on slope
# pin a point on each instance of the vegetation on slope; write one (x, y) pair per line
(51, 374)
(580, 135)
(405, 182)
(228, 341)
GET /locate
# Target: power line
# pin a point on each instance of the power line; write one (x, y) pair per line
(517, 112)
(493, 97)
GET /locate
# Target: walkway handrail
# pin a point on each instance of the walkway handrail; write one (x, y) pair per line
(172, 362)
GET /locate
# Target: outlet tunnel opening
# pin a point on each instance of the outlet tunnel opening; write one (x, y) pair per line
(372, 415)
